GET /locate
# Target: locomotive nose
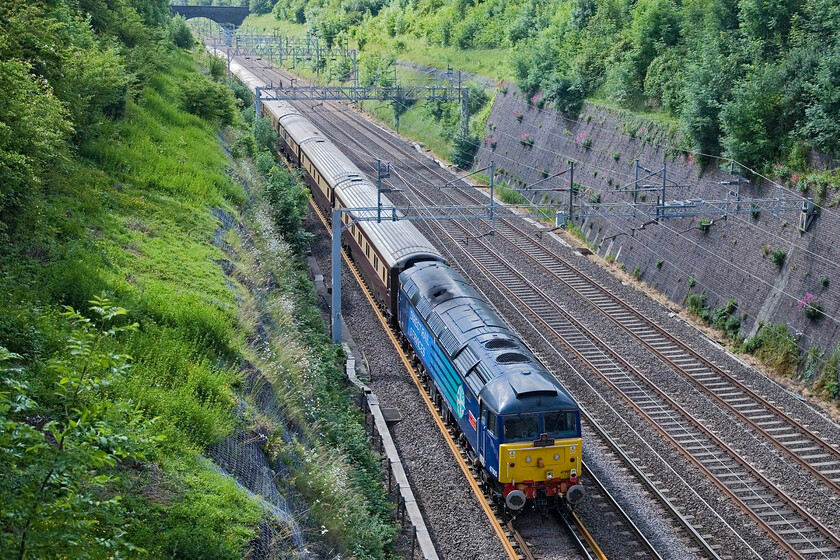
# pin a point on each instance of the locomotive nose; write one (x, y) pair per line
(515, 500)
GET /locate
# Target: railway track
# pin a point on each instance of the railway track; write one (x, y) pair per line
(789, 524)
(515, 545)
(356, 136)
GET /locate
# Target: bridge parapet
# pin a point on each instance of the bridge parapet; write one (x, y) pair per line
(232, 15)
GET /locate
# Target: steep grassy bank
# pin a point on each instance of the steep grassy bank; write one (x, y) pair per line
(106, 410)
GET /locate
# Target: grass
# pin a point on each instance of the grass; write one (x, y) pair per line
(267, 23)
(492, 63)
(132, 219)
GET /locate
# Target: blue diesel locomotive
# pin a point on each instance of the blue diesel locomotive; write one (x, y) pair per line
(522, 426)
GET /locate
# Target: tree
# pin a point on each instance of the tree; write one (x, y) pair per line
(55, 457)
(180, 33)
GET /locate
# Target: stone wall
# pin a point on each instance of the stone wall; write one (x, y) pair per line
(728, 260)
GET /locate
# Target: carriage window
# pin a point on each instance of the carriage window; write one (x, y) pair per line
(560, 424)
(375, 261)
(367, 250)
(522, 428)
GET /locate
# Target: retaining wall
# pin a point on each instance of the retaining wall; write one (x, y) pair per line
(729, 260)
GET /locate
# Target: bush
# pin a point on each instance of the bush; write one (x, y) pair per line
(696, 304)
(180, 33)
(810, 306)
(777, 257)
(828, 383)
(264, 135)
(463, 150)
(208, 100)
(289, 200)
(776, 347)
(260, 6)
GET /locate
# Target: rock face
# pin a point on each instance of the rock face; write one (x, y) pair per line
(726, 255)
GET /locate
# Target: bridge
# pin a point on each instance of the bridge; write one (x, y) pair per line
(223, 15)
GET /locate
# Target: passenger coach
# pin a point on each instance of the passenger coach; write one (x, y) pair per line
(381, 249)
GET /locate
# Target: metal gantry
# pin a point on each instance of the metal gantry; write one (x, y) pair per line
(662, 208)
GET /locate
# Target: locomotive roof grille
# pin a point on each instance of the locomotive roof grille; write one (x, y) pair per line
(499, 343)
(512, 358)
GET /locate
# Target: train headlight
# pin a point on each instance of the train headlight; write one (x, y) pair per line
(549, 475)
(527, 459)
(557, 457)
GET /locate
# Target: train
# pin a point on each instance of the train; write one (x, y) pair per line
(521, 426)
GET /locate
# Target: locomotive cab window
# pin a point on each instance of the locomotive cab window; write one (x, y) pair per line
(562, 424)
(489, 420)
(522, 428)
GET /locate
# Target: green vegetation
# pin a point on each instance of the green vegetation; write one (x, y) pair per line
(748, 80)
(777, 256)
(828, 382)
(775, 346)
(121, 336)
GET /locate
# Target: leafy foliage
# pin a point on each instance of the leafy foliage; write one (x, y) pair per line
(56, 457)
(775, 346)
(289, 200)
(463, 151)
(752, 80)
(207, 99)
(181, 34)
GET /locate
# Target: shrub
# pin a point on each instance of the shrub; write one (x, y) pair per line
(180, 33)
(260, 6)
(264, 135)
(208, 100)
(776, 347)
(243, 94)
(659, 264)
(289, 200)
(824, 281)
(463, 150)
(518, 115)
(696, 304)
(264, 161)
(587, 143)
(691, 281)
(616, 155)
(828, 384)
(525, 139)
(810, 306)
(637, 272)
(777, 257)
